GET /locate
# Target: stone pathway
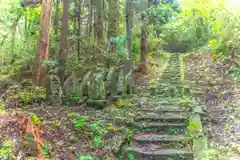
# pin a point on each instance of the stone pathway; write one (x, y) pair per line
(161, 129)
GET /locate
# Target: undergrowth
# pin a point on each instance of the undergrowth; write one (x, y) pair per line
(94, 129)
(6, 149)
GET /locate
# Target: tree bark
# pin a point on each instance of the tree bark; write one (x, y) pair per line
(63, 42)
(129, 18)
(113, 16)
(90, 17)
(43, 40)
(57, 17)
(112, 27)
(99, 23)
(79, 11)
(95, 22)
(143, 58)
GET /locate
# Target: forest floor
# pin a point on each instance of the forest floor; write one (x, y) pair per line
(52, 128)
(220, 97)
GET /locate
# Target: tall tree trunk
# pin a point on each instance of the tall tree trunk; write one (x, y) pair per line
(79, 11)
(90, 17)
(129, 18)
(63, 42)
(112, 26)
(99, 23)
(95, 22)
(143, 58)
(57, 17)
(43, 40)
(75, 16)
(113, 16)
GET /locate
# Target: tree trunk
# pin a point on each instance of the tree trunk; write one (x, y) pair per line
(79, 11)
(112, 27)
(113, 16)
(99, 23)
(129, 18)
(75, 16)
(43, 40)
(143, 58)
(90, 15)
(95, 22)
(57, 17)
(63, 42)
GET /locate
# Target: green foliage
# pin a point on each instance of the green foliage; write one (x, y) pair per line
(130, 156)
(135, 48)
(163, 12)
(32, 15)
(35, 119)
(85, 157)
(25, 96)
(121, 51)
(97, 134)
(19, 26)
(93, 129)
(78, 120)
(46, 150)
(186, 102)
(6, 150)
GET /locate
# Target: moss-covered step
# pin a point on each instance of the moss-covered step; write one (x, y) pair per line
(162, 110)
(162, 118)
(162, 140)
(153, 126)
(159, 154)
(164, 100)
(165, 103)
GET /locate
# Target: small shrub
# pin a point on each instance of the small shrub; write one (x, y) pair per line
(93, 129)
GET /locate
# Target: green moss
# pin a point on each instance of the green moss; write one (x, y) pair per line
(195, 125)
(199, 147)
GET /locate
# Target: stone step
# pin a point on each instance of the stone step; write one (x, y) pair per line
(170, 76)
(165, 109)
(166, 79)
(158, 138)
(158, 105)
(164, 127)
(170, 72)
(161, 118)
(171, 84)
(160, 154)
(163, 144)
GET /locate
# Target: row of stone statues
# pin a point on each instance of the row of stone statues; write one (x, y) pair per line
(95, 86)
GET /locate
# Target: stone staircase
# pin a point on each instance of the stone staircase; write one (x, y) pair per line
(161, 127)
(169, 84)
